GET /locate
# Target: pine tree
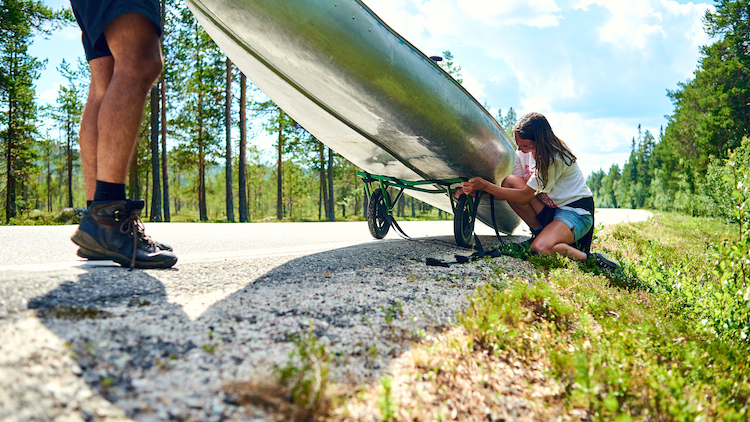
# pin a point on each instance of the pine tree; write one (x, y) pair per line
(68, 113)
(242, 171)
(20, 20)
(228, 129)
(451, 67)
(200, 66)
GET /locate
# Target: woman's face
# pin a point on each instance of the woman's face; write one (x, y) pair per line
(525, 145)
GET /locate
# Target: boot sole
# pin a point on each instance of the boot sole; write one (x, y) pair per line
(90, 255)
(88, 244)
(608, 263)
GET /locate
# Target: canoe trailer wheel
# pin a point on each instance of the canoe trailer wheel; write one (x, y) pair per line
(377, 215)
(463, 221)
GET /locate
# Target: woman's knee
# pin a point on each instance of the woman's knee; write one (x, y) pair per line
(542, 246)
(513, 182)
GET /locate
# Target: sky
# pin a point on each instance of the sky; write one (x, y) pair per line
(595, 68)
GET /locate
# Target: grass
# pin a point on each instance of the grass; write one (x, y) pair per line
(663, 340)
(298, 390)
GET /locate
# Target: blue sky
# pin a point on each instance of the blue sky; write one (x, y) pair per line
(596, 68)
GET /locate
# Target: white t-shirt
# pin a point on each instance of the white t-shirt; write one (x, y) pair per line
(565, 183)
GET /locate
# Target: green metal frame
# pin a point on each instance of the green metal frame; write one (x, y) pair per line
(440, 186)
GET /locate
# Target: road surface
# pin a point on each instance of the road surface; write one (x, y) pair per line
(26, 248)
(93, 341)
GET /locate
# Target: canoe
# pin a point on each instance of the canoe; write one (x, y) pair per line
(364, 91)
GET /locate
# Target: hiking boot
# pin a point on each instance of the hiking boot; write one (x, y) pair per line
(95, 256)
(605, 263)
(113, 230)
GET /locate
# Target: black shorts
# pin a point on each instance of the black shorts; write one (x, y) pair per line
(94, 16)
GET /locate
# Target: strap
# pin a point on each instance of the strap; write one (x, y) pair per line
(398, 228)
(494, 223)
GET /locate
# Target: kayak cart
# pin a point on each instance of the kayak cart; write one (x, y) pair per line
(380, 204)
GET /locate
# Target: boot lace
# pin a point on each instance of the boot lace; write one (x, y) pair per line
(133, 225)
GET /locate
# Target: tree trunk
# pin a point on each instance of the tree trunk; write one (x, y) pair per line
(242, 176)
(323, 191)
(177, 199)
(280, 145)
(331, 202)
(69, 158)
(135, 188)
(10, 188)
(155, 179)
(343, 203)
(49, 181)
(202, 208)
(228, 126)
(164, 173)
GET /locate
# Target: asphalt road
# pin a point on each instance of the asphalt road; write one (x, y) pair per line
(24, 248)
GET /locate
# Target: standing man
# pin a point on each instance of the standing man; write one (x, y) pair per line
(122, 43)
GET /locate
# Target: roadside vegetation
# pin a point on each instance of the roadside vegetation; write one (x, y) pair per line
(666, 338)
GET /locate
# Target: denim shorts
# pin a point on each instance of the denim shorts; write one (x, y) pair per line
(94, 16)
(578, 224)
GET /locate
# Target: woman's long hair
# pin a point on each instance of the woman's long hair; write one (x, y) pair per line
(535, 127)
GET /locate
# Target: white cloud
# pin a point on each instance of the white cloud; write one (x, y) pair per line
(472, 84)
(632, 23)
(50, 95)
(596, 142)
(536, 13)
(542, 88)
(69, 33)
(635, 24)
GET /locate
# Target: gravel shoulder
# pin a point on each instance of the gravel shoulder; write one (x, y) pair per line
(157, 345)
(98, 342)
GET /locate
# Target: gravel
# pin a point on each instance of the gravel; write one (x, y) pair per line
(105, 343)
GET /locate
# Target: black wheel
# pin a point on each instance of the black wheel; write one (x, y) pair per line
(463, 223)
(377, 215)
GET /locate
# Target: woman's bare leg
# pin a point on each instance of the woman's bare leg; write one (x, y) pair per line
(527, 212)
(556, 239)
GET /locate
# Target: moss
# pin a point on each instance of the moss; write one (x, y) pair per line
(72, 313)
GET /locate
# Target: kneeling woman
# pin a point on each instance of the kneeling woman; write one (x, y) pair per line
(547, 190)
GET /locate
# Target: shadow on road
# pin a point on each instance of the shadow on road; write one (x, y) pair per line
(139, 345)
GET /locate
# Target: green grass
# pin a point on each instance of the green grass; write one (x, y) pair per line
(664, 340)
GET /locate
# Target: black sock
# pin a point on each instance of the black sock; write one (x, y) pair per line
(106, 191)
(88, 203)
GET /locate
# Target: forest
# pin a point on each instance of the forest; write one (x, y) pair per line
(196, 160)
(694, 163)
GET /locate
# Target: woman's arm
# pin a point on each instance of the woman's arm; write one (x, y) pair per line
(521, 196)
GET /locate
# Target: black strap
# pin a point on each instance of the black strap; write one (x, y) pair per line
(398, 228)
(494, 223)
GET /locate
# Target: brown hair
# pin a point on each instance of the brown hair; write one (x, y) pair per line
(535, 127)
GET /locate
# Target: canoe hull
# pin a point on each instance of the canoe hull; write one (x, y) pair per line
(363, 90)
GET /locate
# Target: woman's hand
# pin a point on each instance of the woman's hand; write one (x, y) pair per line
(475, 184)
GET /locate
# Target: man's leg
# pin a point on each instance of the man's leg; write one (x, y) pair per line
(111, 229)
(101, 73)
(134, 42)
